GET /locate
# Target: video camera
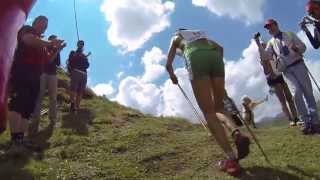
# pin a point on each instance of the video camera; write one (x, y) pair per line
(257, 35)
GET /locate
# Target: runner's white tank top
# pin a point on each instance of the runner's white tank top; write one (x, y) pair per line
(192, 35)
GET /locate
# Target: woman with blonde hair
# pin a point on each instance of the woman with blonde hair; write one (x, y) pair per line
(248, 107)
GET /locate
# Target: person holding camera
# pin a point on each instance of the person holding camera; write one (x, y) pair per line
(277, 83)
(313, 10)
(30, 55)
(48, 80)
(288, 50)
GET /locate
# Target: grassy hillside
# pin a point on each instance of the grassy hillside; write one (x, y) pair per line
(105, 140)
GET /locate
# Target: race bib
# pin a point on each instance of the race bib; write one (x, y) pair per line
(192, 35)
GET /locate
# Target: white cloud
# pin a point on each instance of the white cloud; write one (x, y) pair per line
(140, 95)
(199, 2)
(174, 103)
(249, 11)
(159, 100)
(140, 92)
(133, 22)
(120, 74)
(151, 60)
(104, 89)
(243, 76)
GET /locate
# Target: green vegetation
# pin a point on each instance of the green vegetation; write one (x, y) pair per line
(105, 140)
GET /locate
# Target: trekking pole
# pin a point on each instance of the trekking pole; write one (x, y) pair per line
(255, 139)
(312, 77)
(194, 109)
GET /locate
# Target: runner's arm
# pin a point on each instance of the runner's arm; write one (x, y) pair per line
(170, 57)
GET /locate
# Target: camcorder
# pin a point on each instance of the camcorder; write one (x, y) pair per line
(257, 35)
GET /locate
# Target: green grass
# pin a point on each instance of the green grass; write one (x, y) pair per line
(105, 140)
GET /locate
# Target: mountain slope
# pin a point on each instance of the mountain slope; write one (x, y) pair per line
(105, 140)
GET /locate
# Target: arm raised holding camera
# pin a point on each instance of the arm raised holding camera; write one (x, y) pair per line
(55, 48)
(265, 59)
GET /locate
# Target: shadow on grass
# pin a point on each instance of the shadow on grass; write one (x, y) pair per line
(12, 167)
(265, 173)
(300, 171)
(78, 121)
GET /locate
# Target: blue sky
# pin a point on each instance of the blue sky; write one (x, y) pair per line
(129, 40)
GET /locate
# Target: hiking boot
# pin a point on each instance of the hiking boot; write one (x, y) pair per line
(229, 166)
(242, 144)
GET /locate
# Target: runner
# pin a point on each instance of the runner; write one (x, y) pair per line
(204, 62)
(77, 67)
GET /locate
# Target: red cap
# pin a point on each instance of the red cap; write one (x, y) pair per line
(312, 5)
(309, 6)
(270, 22)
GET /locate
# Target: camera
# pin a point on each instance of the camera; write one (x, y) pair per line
(257, 35)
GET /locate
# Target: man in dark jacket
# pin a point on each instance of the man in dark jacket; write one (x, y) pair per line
(77, 67)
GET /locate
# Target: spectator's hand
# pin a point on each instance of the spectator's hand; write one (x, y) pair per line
(174, 78)
(256, 36)
(294, 48)
(88, 54)
(303, 24)
(57, 44)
